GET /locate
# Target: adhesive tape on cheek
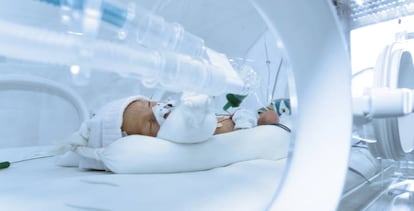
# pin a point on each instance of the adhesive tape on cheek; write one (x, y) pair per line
(160, 110)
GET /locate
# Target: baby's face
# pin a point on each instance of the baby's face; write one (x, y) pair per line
(138, 118)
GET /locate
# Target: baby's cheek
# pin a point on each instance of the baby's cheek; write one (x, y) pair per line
(129, 121)
(127, 126)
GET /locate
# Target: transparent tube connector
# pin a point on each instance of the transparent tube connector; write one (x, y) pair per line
(183, 73)
(154, 32)
(135, 24)
(173, 71)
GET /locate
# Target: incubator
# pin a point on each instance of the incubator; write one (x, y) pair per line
(63, 60)
(382, 107)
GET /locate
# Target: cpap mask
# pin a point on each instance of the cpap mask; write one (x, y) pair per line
(161, 111)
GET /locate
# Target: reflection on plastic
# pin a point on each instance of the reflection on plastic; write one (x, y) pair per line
(137, 24)
(172, 71)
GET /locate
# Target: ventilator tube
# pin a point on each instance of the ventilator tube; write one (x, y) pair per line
(172, 71)
(135, 24)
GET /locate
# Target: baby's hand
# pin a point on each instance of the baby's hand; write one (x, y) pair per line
(198, 101)
(244, 119)
(195, 107)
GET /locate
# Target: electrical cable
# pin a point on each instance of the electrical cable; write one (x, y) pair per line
(361, 71)
(268, 72)
(6, 164)
(284, 127)
(359, 174)
(277, 77)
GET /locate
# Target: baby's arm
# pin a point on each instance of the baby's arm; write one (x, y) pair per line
(241, 119)
(224, 125)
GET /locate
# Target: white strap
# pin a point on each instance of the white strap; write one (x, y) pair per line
(94, 153)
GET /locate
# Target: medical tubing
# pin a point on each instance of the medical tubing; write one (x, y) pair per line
(182, 73)
(153, 31)
(173, 71)
(110, 13)
(6, 164)
(146, 28)
(33, 44)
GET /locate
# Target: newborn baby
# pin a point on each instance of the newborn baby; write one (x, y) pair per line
(145, 117)
(192, 121)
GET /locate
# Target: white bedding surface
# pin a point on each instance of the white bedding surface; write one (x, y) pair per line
(41, 185)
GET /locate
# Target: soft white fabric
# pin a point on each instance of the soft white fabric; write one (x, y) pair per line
(143, 154)
(110, 117)
(98, 131)
(38, 185)
(160, 111)
(105, 128)
(69, 159)
(195, 100)
(78, 138)
(244, 119)
(66, 156)
(193, 121)
(180, 127)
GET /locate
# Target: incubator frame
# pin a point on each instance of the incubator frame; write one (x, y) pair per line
(320, 100)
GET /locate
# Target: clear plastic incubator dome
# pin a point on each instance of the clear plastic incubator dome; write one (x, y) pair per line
(118, 105)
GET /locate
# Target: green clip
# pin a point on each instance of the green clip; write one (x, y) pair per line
(233, 100)
(4, 165)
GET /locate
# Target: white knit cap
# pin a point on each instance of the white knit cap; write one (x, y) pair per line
(105, 127)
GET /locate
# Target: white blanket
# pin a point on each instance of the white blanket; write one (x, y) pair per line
(40, 185)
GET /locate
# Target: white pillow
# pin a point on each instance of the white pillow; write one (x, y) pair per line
(143, 154)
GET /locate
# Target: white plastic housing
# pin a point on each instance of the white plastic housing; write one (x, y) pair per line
(384, 102)
(311, 38)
